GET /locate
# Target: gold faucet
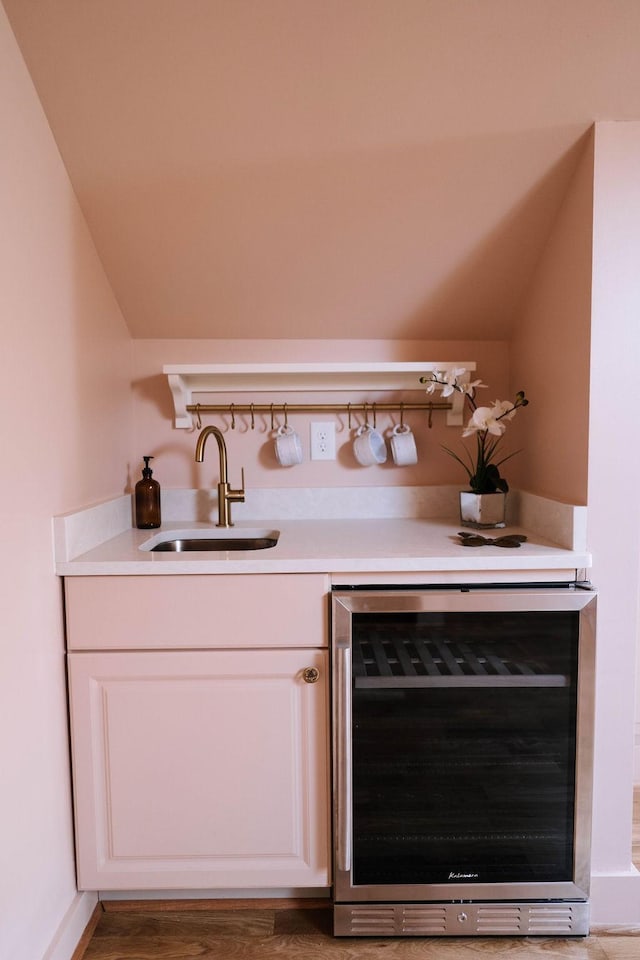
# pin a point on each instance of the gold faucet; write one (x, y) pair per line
(226, 496)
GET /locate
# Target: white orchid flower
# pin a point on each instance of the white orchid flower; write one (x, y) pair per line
(449, 379)
(449, 382)
(492, 419)
(470, 388)
(504, 409)
(485, 419)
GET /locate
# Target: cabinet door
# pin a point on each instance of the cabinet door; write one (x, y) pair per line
(201, 769)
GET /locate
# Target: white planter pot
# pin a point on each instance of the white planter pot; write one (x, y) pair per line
(482, 509)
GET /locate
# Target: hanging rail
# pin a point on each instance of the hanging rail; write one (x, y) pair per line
(367, 407)
(315, 407)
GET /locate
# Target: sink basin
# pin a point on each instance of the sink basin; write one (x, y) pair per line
(229, 543)
(221, 539)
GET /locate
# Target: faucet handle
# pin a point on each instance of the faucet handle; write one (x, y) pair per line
(237, 496)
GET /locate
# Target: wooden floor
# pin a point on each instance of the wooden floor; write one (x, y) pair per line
(306, 934)
(239, 931)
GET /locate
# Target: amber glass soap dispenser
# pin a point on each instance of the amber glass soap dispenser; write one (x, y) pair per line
(147, 499)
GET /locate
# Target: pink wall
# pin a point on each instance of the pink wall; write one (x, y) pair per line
(65, 438)
(550, 353)
(576, 351)
(174, 449)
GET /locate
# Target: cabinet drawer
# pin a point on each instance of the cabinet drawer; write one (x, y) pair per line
(225, 611)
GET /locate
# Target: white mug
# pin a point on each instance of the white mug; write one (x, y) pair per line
(288, 447)
(369, 446)
(403, 446)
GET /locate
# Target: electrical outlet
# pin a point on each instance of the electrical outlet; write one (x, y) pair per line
(323, 440)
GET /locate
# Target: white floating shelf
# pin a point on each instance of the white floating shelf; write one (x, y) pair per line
(277, 378)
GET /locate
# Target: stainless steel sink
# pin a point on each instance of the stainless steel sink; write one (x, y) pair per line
(219, 539)
(186, 544)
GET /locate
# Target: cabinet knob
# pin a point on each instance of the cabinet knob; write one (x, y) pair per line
(310, 674)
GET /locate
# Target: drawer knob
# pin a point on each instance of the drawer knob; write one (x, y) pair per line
(310, 674)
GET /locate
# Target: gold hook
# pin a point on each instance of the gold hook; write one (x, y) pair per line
(401, 415)
(366, 415)
(286, 419)
(198, 420)
(349, 415)
(374, 416)
(430, 415)
(233, 416)
(253, 420)
(272, 421)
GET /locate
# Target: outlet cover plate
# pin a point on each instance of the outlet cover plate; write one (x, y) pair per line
(323, 440)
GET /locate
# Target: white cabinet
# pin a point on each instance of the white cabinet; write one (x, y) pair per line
(200, 769)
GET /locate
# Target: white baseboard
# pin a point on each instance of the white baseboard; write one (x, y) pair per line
(72, 927)
(615, 899)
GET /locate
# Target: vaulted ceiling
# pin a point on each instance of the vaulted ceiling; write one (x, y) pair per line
(325, 168)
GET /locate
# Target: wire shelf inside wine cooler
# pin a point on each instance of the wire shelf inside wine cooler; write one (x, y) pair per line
(389, 657)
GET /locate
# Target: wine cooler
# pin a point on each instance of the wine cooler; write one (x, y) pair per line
(462, 760)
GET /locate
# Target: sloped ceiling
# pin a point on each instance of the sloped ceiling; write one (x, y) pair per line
(325, 168)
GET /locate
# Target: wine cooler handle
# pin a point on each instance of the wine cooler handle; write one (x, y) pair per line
(343, 772)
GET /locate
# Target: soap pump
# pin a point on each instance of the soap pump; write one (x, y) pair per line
(147, 499)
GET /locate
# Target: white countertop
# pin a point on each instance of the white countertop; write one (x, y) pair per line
(335, 546)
